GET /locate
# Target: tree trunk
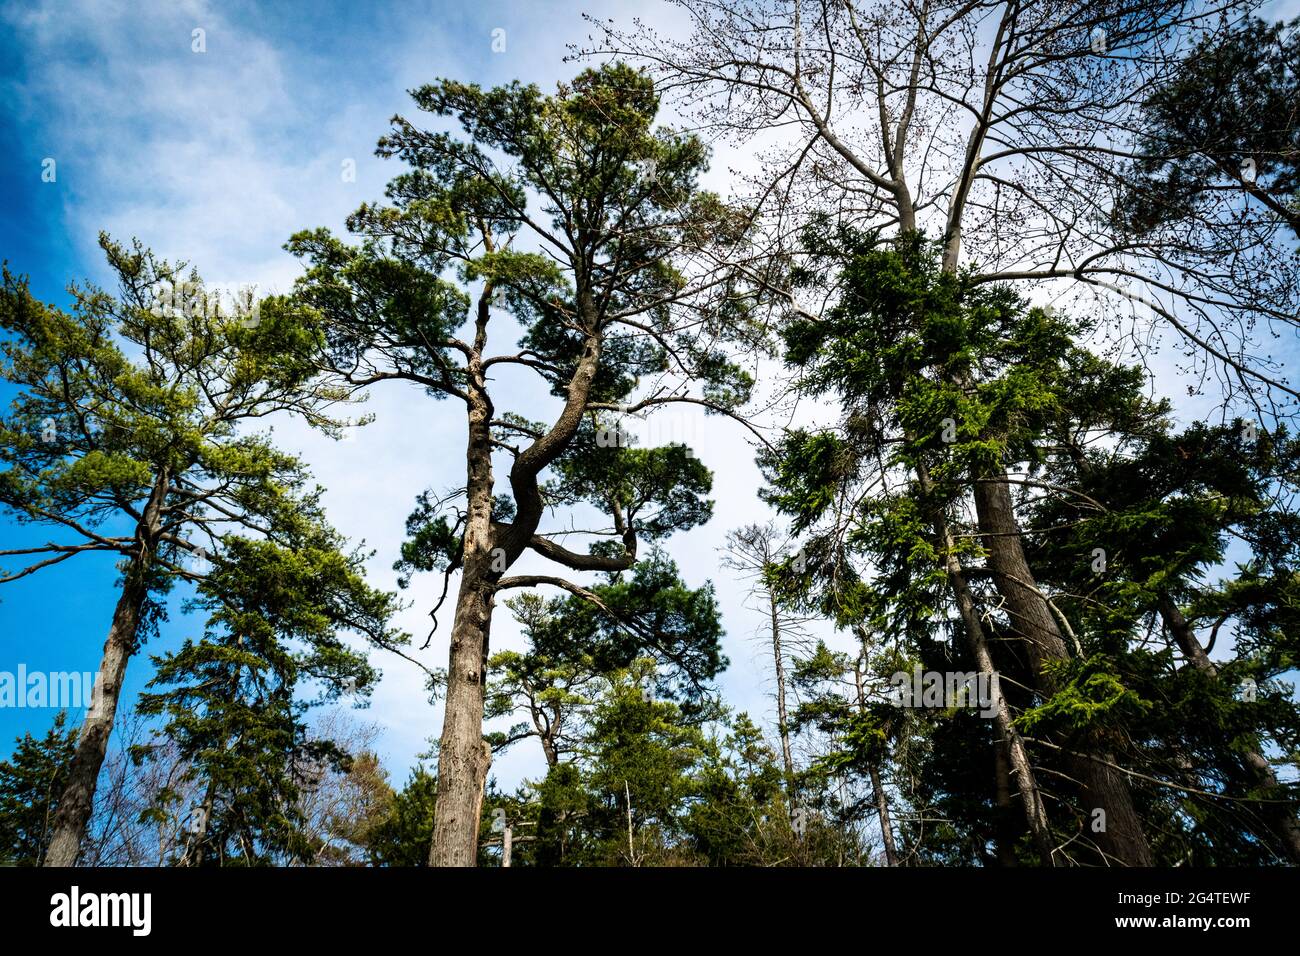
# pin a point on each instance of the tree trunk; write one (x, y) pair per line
(1281, 816)
(549, 752)
(1026, 781)
(78, 797)
(783, 727)
(1121, 837)
(882, 810)
(197, 839)
(873, 769)
(488, 550)
(1007, 831)
(463, 755)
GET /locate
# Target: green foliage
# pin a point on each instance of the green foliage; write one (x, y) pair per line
(657, 490)
(647, 610)
(1089, 692)
(233, 701)
(144, 394)
(937, 374)
(31, 781)
(129, 434)
(1232, 100)
(402, 835)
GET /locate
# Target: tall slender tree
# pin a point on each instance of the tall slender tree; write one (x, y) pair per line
(760, 553)
(572, 216)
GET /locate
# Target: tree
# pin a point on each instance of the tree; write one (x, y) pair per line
(552, 692)
(1225, 123)
(233, 701)
(1014, 134)
(639, 756)
(1121, 516)
(1167, 503)
(576, 216)
(125, 439)
(1011, 132)
(341, 807)
(125, 829)
(641, 781)
(31, 781)
(858, 720)
(757, 552)
(647, 620)
(401, 836)
(663, 789)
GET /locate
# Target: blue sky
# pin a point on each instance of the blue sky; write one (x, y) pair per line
(217, 157)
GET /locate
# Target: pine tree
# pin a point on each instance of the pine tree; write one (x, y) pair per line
(576, 217)
(31, 782)
(1224, 124)
(126, 437)
(234, 702)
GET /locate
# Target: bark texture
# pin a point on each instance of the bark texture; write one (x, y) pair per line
(1122, 838)
(463, 758)
(489, 549)
(78, 797)
(1021, 766)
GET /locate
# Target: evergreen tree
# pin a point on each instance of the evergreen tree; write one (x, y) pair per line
(31, 782)
(1200, 539)
(234, 704)
(401, 836)
(844, 703)
(1124, 519)
(1225, 123)
(125, 438)
(584, 223)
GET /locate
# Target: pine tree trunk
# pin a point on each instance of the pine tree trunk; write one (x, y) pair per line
(549, 752)
(92, 743)
(463, 755)
(882, 811)
(1121, 838)
(78, 797)
(463, 758)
